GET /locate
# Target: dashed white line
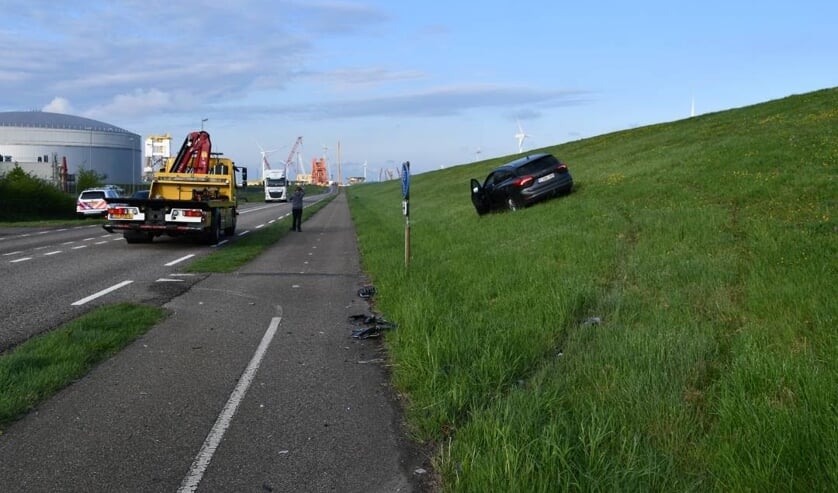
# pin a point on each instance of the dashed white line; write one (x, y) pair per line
(202, 460)
(52, 253)
(22, 259)
(101, 293)
(177, 261)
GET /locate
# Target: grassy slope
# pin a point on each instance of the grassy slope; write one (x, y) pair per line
(708, 249)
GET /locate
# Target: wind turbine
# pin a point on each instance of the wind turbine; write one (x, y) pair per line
(520, 136)
(265, 154)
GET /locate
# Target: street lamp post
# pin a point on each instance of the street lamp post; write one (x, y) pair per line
(90, 149)
(133, 166)
(202, 123)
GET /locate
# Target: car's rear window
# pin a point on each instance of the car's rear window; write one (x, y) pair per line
(92, 195)
(538, 166)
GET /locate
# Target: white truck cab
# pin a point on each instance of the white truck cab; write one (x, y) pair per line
(276, 185)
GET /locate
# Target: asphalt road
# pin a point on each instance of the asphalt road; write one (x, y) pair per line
(253, 383)
(52, 275)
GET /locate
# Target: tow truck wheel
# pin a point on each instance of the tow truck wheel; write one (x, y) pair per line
(231, 229)
(214, 233)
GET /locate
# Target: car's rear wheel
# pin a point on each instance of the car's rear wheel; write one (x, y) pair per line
(512, 204)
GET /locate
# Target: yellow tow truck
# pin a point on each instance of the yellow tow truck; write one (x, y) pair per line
(194, 196)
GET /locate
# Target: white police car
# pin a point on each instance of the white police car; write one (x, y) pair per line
(91, 202)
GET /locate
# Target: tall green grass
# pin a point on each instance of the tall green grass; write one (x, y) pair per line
(706, 247)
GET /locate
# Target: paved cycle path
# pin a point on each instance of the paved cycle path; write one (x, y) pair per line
(253, 383)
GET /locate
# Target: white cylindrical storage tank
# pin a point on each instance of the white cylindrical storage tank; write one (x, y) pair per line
(40, 141)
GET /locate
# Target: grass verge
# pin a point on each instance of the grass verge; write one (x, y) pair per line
(45, 364)
(245, 249)
(671, 325)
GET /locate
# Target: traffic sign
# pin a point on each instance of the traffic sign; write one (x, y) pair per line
(406, 180)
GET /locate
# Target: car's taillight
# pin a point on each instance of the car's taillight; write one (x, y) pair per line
(193, 213)
(523, 181)
(562, 167)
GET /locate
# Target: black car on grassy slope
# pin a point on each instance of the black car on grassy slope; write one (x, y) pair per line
(520, 183)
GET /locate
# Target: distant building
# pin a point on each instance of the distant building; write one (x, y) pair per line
(40, 142)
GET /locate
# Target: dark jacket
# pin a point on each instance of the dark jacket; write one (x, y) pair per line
(297, 199)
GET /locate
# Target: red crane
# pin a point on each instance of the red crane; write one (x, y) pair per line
(297, 144)
(194, 154)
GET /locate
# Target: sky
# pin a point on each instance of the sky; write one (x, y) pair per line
(381, 82)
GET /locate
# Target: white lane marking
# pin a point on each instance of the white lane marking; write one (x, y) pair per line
(12, 253)
(101, 293)
(202, 460)
(80, 246)
(177, 261)
(244, 232)
(19, 260)
(52, 253)
(166, 279)
(260, 226)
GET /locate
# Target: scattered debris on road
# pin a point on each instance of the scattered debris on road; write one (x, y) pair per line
(366, 292)
(369, 326)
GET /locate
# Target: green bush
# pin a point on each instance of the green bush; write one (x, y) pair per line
(26, 198)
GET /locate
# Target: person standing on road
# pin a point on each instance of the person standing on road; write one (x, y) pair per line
(297, 209)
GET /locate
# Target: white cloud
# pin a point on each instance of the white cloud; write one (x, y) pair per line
(138, 102)
(59, 105)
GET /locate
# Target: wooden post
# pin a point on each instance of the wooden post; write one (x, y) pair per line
(406, 210)
(406, 241)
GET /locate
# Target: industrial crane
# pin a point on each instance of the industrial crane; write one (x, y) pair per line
(294, 148)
